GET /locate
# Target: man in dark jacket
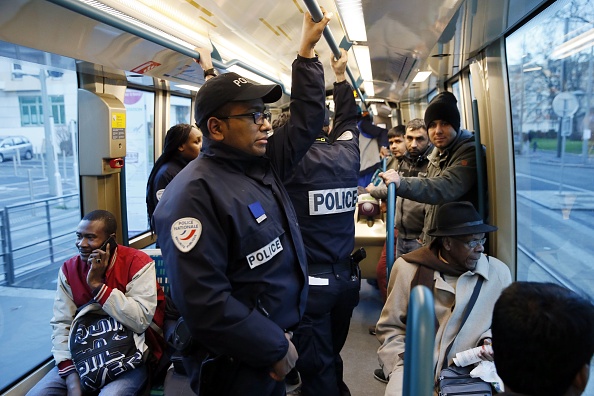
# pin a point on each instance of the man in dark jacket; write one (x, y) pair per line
(323, 190)
(230, 236)
(452, 170)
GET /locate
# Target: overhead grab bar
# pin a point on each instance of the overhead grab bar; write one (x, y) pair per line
(419, 344)
(317, 15)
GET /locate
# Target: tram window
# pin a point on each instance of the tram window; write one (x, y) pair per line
(456, 91)
(180, 112)
(550, 76)
(39, 203)
(140, 115)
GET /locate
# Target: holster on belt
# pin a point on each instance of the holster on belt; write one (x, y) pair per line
(356, 258)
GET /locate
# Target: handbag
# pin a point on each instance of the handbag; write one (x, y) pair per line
(455, 381)
(101, 347)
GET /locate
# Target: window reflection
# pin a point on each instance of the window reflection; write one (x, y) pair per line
(140, 113)
(39, 202)
(552, 101)
(180, 112)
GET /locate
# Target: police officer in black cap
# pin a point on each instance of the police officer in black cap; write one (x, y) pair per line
(229, 234)
(452, 169)
(323, 190)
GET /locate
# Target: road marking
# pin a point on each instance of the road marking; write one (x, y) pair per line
(555, 183)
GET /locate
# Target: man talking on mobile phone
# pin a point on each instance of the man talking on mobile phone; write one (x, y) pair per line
(122, 281)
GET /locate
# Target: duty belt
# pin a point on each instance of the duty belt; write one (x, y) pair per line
(341, 265)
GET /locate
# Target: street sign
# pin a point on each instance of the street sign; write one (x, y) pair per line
(565, 104)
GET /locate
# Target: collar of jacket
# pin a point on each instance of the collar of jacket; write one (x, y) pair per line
(180, 159)
(463, 137)
(421, 157)
(427, 256)
(234, 158)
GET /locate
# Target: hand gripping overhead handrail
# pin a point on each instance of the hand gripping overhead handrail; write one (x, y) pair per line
(317, 15)
(111, 20)
(419, 344)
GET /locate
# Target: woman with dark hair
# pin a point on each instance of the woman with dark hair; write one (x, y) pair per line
(182, 144)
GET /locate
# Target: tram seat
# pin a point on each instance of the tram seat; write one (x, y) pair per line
(370, 233)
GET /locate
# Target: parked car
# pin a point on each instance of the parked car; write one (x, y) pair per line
(9, 145)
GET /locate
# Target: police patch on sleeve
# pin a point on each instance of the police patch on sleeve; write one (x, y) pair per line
(185, 233)
(159, 194)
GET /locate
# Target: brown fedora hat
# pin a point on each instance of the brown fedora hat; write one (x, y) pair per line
(459, 218)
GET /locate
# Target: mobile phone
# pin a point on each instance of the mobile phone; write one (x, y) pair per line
(112, 245)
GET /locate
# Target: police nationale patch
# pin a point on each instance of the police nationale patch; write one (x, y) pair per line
(185, 233)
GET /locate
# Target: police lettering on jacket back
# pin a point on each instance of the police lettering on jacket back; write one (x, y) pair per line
(338, 200)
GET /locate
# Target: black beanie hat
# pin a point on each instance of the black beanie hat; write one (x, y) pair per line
(443, 107)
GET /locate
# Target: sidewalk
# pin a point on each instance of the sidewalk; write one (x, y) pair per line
(550, 157)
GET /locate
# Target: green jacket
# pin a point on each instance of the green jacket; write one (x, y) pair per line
(451, 176)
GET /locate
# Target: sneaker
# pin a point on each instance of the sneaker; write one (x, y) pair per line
(378, 374)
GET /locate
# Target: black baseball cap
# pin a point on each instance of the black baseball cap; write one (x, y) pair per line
(231, 87)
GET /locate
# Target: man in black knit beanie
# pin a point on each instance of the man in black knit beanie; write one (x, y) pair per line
(452, 170)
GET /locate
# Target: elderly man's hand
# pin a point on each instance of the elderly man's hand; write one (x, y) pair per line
(390, 176)
(486, 352)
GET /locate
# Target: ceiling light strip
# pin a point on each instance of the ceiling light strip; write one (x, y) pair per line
(351, 14)
(575, 45)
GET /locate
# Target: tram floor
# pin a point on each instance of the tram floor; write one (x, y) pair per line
(360, 351)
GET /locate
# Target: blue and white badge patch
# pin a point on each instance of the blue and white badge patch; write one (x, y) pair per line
(159, 194)
(185, 233)
(257, 211)
(264, 254)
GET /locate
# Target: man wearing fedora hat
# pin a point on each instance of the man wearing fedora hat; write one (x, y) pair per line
(451, 267)
(229, 234)
(452, 170)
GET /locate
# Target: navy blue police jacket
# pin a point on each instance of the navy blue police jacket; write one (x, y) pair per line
(230, 237)
(323, 187)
